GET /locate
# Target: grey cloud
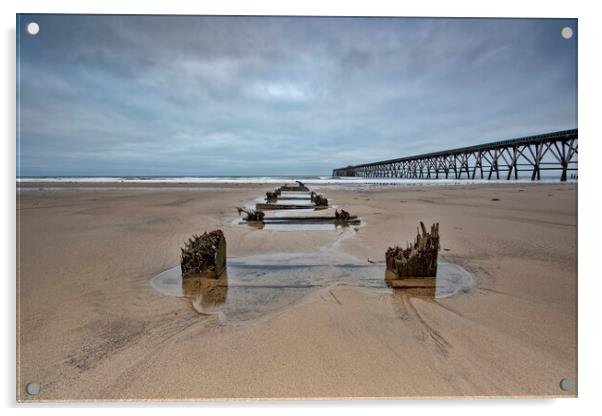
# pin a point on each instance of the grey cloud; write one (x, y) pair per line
(171, 95)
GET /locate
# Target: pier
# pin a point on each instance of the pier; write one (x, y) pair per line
(503, 159)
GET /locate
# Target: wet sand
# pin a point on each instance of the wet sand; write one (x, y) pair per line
(92, 327)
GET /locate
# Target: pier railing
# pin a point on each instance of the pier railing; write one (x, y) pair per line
(504, 159)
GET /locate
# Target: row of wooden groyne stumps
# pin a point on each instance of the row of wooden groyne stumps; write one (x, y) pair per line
(414, 266)
(298, 194)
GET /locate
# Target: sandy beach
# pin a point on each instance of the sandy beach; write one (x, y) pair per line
(92, 327)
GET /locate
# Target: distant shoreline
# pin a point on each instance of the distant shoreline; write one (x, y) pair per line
(267, 180)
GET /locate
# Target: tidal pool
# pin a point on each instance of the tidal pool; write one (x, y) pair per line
(255, 285)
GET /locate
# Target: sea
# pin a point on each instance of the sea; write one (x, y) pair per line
(307, 179)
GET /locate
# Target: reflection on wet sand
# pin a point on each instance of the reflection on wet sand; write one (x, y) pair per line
(206, 292)
(256, 285)
(426, 287)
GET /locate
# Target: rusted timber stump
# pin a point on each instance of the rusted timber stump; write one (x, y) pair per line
(300, 187)
(204, 253)
(343, 215)
(418, 259)
(271, 196)
(251, 214)
(319, 200)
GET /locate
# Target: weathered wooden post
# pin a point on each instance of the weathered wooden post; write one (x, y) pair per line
(318, 200)
(271, 196)
(417, 260)
(300, 187)
(251, 214)
(203, 254)
(342, 216)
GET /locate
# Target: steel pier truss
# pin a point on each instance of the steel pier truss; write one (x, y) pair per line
(507, 159)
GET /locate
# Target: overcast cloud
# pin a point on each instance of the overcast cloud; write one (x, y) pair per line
(181, 95)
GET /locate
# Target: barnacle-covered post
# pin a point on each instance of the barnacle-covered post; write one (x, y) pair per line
(318, 200)
(272, 196)
(251, 214)
(342, 216)
(204, 253)
(418, 259)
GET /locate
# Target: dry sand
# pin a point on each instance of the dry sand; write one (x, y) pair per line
(91, 327)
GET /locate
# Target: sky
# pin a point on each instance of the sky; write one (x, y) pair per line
(217, 96)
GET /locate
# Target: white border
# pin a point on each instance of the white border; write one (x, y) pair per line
(589, 115)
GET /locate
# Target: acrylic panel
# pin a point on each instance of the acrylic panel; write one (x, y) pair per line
(273, 207)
